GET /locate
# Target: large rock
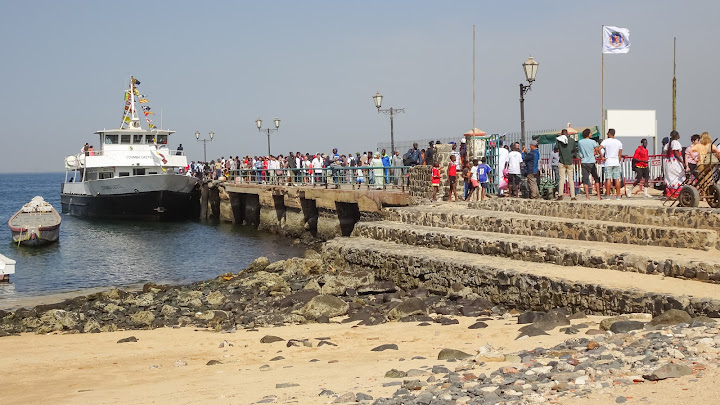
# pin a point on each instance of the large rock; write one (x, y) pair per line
(292, 268)
(142, 318)
(606, 323)
(551, 320)
(264, 281)
(626, 326)
(258, 264)
(189, 298)
(216, 299)
(337, 284)
(324, 305)
(56, 320)
(671, 317)
(669, 370)
(411, 306)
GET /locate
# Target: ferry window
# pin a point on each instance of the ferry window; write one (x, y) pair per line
(123, 174)
(138, 172)
(106, 175)
(149, 139)
(152, 172)
(137, 139)
(124, 138)
(110, 139)
(162, 139)
(91, 176)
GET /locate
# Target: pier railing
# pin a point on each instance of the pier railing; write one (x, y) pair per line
(370, 177)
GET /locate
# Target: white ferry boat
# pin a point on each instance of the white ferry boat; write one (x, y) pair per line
(133, 174)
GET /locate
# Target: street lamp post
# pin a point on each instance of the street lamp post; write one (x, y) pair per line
(276, 121)
(392, 111)
(530, 67)
(204, 141)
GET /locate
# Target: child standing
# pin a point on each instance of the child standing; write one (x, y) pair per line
(435, 179)
(452, 178)
(482, 174)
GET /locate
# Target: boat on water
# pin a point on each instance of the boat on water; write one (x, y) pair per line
(133, 174)
(35, 224)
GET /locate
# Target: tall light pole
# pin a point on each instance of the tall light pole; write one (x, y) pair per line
(276, 121)
(530, 67)
(377, 98)
(204, 141)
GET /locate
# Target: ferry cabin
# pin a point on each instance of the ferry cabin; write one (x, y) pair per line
(125, 153)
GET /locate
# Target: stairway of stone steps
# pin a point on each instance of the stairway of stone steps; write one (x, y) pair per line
(669, 262)
(569, 228)
(521, 284)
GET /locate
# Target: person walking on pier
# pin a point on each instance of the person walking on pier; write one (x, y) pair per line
(531, 159)
(588, 150)
(566, 147)
(640, 164)
(435, 180)
(452, 178)
(513, 165)
(397, 172)
(613, 153)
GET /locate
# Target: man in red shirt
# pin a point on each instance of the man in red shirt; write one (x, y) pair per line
(642, 169)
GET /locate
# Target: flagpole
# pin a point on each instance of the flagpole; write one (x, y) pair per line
(602, 84)
(674, 90)
(473, 75)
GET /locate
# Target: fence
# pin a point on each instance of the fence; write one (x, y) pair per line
(372, 177)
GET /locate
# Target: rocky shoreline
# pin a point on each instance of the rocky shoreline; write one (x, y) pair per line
(618, 351)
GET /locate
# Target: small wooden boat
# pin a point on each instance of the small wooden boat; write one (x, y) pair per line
(37, 223)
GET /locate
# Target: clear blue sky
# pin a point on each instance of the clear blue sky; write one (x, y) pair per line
(218, 65)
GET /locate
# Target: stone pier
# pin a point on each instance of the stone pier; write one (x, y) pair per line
(300, 211)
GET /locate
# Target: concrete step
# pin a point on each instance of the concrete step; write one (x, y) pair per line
(669, 262)
(463, 217)
(522, 285)
(637, 210)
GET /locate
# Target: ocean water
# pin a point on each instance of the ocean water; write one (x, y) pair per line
(94, 253)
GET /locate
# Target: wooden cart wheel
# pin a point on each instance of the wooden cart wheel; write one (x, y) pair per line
(689, 196)
(713, 198)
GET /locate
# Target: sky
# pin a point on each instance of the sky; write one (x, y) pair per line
(219, 65)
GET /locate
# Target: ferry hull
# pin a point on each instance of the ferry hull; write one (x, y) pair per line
(160, 205)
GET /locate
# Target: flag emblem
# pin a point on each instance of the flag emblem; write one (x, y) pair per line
(616, 40)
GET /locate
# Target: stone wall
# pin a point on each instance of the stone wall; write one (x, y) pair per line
(551, 227)
(420, 181)
(524, 291)
(532, 251)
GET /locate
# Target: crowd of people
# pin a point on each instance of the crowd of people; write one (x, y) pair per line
(376, 169)
(517, 166)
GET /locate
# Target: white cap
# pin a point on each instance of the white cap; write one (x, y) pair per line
(463, 140)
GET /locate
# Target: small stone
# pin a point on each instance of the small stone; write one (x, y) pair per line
(326, 393)
(344, 398)
(213, 362)
(478, 325)
(394, 373)
(264, 367)
(276, 358)
(451, 354)
(592, 345)
(326, 343)
(361, 396)
(271, 339)
(180, 363)
(414, 385)
(620, 400)
(128, 340)
(389, 346)
(286, 385)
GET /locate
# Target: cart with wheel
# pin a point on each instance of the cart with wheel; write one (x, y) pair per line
(703, 186)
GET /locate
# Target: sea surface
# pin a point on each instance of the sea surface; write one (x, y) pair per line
(92, 253)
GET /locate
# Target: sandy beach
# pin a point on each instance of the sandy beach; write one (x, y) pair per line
(169, 365)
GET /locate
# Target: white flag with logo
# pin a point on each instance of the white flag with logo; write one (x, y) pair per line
(615, 40)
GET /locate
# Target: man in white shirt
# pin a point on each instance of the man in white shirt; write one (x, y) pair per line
(514, 159)
(613, 154)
